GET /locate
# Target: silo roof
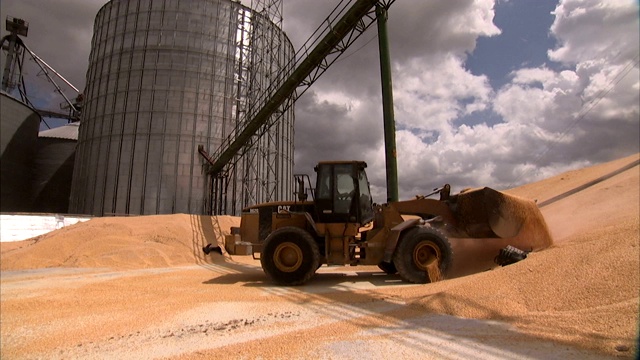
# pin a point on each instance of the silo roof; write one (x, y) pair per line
(69, 131)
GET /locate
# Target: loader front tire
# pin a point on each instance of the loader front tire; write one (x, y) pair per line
(423, 255)
(290, 256)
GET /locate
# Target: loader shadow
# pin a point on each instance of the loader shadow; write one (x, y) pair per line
(418, 322)
(230, 273)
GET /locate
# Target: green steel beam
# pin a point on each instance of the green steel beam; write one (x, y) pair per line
(387, 106)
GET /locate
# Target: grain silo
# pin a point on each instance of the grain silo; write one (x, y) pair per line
(165, 77)
(19, 132)
(53, 169)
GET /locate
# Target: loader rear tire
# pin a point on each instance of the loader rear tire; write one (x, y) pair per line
(290, 256)
(418, 250)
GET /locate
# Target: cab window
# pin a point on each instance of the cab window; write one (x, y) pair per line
(345, 189)
(324, 183)
(366, 202)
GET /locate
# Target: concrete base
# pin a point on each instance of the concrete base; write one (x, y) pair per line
(17, 227)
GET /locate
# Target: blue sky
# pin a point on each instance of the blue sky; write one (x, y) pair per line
(524, 40)
(487, 93)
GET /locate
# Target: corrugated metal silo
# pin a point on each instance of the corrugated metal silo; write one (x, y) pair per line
(53, 169)
(19, 132)
(163, 79)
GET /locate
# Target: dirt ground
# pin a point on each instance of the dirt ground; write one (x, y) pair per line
(140, 288)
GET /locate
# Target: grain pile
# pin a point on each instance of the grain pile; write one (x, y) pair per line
(582, 292)
(584, 289)
(120, 243)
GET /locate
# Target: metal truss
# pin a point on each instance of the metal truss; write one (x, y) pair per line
(266, 102)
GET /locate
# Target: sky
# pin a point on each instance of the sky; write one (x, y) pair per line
(486, 93)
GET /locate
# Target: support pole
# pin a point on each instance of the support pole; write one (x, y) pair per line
(387, 106)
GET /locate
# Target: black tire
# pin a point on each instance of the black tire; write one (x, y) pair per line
(419, 248)
(388, 268)
(290, 256)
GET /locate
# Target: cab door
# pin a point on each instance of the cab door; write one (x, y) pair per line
(335, 192)
(342, 193)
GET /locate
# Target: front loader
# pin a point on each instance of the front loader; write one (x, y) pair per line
(340, 225)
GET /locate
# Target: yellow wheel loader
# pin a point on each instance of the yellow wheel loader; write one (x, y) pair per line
(340, 225)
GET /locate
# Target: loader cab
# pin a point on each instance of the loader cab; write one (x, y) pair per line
(342, 192)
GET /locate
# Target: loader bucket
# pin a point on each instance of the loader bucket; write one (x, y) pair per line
(487, 221)
(487, 213)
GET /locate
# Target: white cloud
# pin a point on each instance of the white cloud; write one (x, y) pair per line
(423, 28)
(432, 95)
(539, 97)
(595, 30)
(579, 107)
(601, 39)
(553, 120)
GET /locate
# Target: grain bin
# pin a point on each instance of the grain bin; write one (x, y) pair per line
(19, 132)
(53, 169)
(165, 77)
